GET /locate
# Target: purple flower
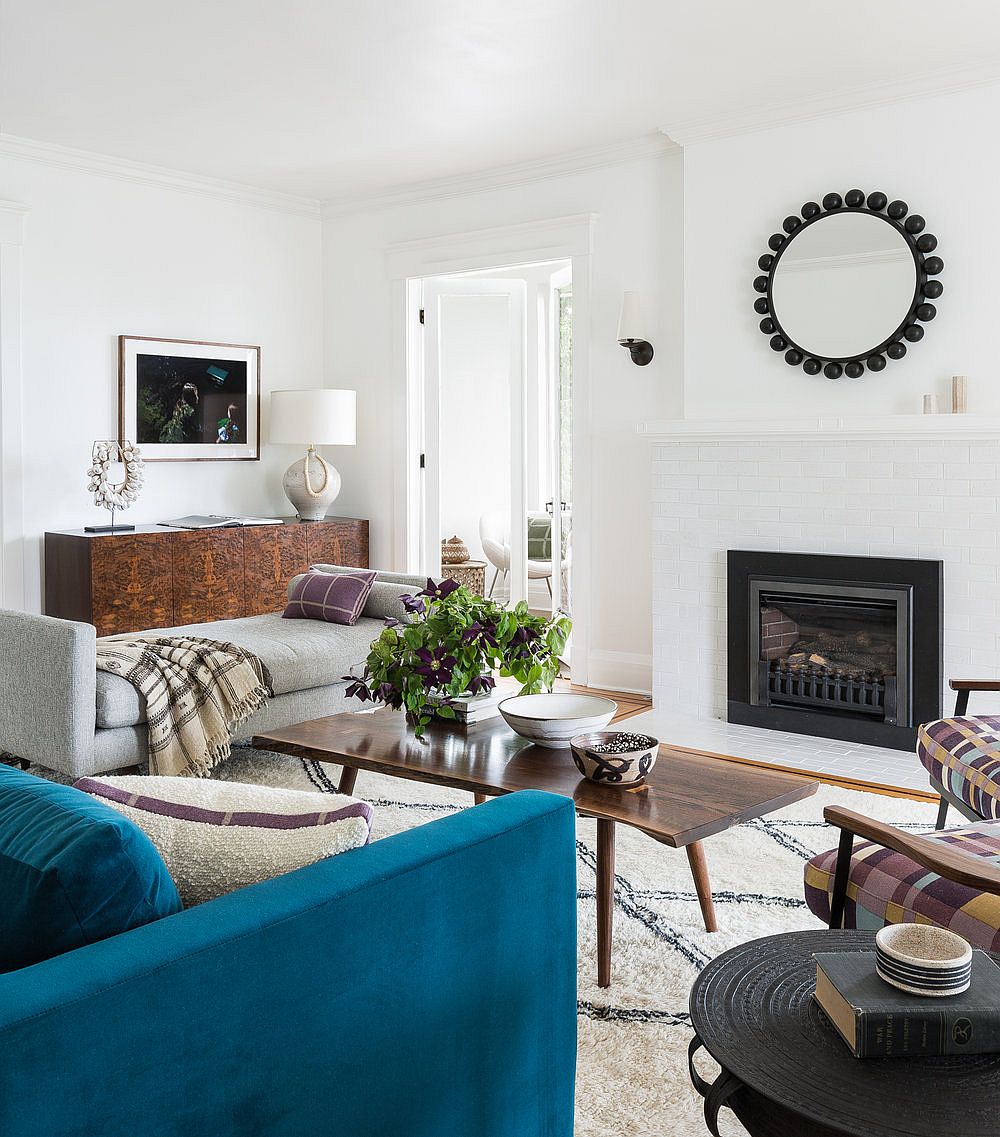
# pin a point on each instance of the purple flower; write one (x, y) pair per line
(390, 695)
(413, 603)
(482, 684)
(476, 632)
(357, 688)
(391, 622)
(434, 667)
(439, 591)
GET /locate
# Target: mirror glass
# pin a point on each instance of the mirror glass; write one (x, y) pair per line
(843, 285)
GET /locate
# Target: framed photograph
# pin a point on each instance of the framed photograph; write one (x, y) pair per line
(188, 401)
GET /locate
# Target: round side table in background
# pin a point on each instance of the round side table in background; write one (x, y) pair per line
(787, 1073)
(470, 573)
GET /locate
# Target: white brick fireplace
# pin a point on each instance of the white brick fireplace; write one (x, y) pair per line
(900, 486)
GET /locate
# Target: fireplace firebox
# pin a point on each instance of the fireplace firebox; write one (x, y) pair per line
(840, 647)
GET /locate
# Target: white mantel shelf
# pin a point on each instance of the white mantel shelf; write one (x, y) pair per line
(941, 427)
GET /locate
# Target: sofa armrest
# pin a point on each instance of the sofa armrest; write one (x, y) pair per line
(423, 985)
(48, 689)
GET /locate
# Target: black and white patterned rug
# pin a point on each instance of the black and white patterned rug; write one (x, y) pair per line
(632, 1067)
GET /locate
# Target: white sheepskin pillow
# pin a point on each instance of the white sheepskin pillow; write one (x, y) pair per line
(216, 837)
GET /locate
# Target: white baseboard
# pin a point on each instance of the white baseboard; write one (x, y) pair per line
(626, 671)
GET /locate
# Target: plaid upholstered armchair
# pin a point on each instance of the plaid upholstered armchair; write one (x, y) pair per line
(962, 756)
(950, 878)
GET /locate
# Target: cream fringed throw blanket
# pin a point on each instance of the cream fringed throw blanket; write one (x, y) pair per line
(196, 691)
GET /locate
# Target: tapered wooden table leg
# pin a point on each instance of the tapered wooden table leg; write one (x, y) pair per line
(605, 898)
(348, 776)
(479, 798)
(702, 885)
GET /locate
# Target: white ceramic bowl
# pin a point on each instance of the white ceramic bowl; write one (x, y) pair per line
(922, 959)
(552, 718)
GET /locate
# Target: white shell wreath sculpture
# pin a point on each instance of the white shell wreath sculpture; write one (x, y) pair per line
(111, 495)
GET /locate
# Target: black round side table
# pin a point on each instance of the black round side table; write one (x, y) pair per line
(787, 1073)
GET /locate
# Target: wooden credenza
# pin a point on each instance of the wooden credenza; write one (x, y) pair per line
(156, 577)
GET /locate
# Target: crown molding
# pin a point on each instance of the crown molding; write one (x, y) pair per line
(12, 215)
(85, 161)
(503, 177)
(708, 128)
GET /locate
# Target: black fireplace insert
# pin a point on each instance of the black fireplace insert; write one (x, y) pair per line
(840, 647)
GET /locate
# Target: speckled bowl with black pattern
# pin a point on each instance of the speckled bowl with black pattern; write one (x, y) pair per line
(614, 757)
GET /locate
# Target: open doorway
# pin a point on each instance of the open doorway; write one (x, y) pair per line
(491, 399)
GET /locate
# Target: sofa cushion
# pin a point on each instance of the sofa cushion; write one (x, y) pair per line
(383, 600)
(299, 654)
(217, 837)
(336, 598)
(72, 871)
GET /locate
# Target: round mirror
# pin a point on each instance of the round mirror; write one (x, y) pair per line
(848, 284)
(842, 288)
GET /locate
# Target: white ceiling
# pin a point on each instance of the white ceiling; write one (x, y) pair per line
(328, 98)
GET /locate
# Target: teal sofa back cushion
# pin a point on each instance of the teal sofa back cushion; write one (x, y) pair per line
(72, 871)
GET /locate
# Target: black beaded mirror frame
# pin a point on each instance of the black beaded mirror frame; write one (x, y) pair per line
(920, 244)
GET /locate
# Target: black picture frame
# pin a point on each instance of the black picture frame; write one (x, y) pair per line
(222, 360)
(929, 266)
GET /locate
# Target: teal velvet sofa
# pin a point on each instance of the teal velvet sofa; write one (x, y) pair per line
(422, 986)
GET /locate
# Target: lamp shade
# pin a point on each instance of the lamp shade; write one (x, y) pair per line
(320, 416)
(630, 321)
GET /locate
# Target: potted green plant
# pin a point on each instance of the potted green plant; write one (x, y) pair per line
(449, 644)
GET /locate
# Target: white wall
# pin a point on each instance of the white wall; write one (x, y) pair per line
(104, 256)
(936, 155)
(637, 245)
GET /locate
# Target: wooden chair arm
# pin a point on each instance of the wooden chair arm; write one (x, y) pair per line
(974, 684)
(946, 860)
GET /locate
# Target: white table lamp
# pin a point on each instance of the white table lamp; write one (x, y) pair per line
(318, 417)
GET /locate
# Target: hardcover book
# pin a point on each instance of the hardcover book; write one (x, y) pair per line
(878, 1021)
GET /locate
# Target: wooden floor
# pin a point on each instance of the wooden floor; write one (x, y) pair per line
(628, 703)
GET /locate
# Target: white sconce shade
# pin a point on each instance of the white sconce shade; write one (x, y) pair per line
(630, 330)
(322, 417)
(630, 320)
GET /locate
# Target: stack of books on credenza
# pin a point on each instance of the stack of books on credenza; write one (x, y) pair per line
(877, 1020)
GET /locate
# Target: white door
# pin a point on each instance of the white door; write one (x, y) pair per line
(474, 425)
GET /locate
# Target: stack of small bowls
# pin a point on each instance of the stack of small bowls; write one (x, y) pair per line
(923, 960)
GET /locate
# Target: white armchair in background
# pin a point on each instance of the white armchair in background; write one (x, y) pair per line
(494, 533)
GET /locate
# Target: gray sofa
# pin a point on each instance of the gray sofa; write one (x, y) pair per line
(58, 711)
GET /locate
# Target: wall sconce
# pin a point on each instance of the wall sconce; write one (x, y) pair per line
(629, 330)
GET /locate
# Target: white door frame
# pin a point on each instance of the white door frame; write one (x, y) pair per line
(553, 239)
(12, 564)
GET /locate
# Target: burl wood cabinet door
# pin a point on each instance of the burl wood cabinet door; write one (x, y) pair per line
(338, 543)
(273, 554)
(208, 575)
(130, 583)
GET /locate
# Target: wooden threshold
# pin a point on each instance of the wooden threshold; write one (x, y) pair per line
(858, 785)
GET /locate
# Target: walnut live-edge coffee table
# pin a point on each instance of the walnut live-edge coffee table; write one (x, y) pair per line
(685, 799)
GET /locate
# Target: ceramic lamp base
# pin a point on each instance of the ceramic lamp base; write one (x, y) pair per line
(311, 496)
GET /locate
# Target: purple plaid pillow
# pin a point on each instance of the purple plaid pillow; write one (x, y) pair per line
(337, 598)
